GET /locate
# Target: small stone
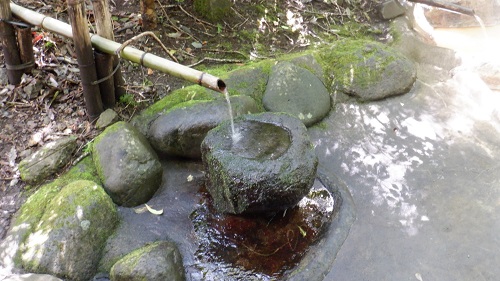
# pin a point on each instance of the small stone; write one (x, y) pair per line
(47, 160)
(108, 117)
(157, 261)
(392, 9)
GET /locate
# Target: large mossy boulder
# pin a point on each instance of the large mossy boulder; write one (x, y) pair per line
(367, 70)
(180, 131)
(269, 167)
(69, 229)
(127, 165)
(157, 261)
(48, 160)
(296, 91)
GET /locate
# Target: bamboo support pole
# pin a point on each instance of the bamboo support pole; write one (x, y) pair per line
(128, 53)
(447, 6)
(85, 57)
(104, 69)
(25, 42)
(104, 27)
(9, 44)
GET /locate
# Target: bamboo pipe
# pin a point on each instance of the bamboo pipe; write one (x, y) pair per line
(447, 6)
(128, 53)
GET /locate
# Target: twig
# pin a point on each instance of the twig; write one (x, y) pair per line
(215, 60)
(195, 18)
(119, 50)
(225, 52)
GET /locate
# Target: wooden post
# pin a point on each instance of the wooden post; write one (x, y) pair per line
(104, 68)
(9, 45)
(25, 42)
(105, 29)
(84, 54)
(149, 17)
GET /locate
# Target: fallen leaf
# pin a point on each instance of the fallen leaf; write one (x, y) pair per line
(153, 211)
(190, 178)
(174, 35)
(150, 71)
(140, 210)
(197, 45)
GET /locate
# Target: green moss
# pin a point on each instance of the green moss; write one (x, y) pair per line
(213, 10)
(354, 61)
(130, 260)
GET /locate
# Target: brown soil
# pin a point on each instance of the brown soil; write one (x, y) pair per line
(49, 103)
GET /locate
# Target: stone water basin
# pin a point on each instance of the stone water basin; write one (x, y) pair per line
(270, 166)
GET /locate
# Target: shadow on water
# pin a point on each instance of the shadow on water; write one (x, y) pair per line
(264, 247)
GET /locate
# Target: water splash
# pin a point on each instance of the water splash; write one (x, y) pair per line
(483, 27)
(236, 136)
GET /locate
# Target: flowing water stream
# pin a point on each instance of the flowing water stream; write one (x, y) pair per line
(234, 134)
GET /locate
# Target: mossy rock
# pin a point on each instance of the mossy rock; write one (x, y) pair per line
(126, 164)
(194, 92)
(71, 231)
(180, 131)
(157, 261)
(367, 69)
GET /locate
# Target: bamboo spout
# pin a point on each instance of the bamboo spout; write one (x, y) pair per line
(128, 53)
(447, 6)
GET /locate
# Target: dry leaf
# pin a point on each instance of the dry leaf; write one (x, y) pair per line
(140, 210)
(153, 211)
(190, 178)
(150, 71)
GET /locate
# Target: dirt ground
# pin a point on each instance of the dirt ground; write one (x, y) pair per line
(49, 103)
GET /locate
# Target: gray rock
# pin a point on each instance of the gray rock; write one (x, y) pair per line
(158, 261)
(270, 168)
(108, 117)
(490, 73)
(32, 277)
(47, 160)
(369, 70)
(296, 91)
(310, 63)
(127, 165)
(71, 233)
(391, 9)
(180, 131)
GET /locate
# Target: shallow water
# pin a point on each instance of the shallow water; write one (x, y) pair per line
(472, 42)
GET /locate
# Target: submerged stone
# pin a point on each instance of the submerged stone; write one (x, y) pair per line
(368, 70)
(180, 131)
(266, 247)
(127, 165)
(47, 160)
(270, 168)
(296, 91)
(157, 261)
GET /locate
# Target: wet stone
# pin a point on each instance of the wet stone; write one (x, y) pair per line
(180, 131)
